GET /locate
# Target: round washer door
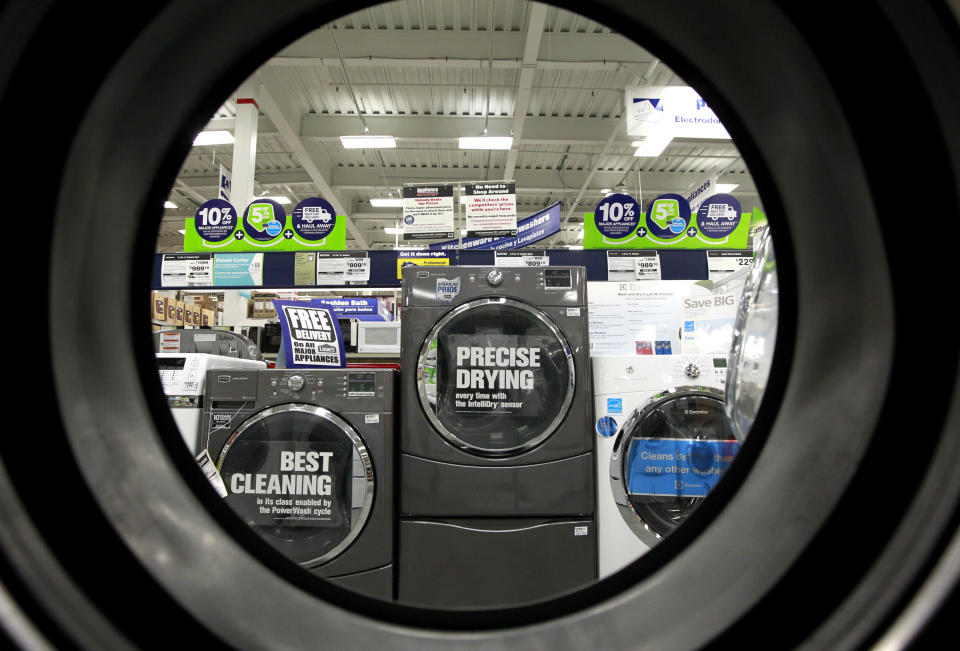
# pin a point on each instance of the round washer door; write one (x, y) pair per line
(496, 377)
(302, 478)
(668, 456)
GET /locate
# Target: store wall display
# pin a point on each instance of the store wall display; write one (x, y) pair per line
(265, 226)
(667, 223)
(534, 228)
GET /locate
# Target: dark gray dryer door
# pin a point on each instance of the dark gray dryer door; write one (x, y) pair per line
(495, 377)
(668, 456)
(302, 478)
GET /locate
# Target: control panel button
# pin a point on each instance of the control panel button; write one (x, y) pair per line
(295, 382)
(692, 371)
(495, 278)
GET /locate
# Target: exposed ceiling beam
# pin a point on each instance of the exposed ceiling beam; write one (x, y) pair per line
(467, 49)
(289, 135)
(531, 47)
(366, 179)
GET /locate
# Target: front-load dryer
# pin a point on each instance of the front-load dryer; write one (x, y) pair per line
(497, 489)
(306, 458)
(623, 388)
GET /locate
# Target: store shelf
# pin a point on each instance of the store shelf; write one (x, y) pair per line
(278, 267)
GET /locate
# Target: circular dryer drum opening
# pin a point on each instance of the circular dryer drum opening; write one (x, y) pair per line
(302, 478)
(667, 458)
(495, 377)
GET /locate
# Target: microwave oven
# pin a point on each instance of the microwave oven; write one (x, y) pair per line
(378, 337)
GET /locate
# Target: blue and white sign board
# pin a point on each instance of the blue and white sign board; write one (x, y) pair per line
(677, 111)
(238, 270)
(362, 309)
(534, 228)
(660, 467)
(225, 184)
(311, 335)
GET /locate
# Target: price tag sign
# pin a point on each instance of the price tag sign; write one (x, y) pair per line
(723, 263)
(186, 270)
(521, 259)
(358, 270)
(647, 265)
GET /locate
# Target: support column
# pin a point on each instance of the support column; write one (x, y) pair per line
(244, 149)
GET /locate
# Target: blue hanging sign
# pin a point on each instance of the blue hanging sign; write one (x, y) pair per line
(311, 335)
(530, 230)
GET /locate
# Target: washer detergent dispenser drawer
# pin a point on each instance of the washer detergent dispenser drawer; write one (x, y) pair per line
(667, 457)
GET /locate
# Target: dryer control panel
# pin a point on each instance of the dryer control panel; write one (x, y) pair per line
(303, 384)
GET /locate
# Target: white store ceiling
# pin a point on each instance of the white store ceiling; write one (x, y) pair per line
(429, 71)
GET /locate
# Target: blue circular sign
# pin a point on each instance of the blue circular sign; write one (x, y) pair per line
(606, 427)
(718, 215)
(215, 220)
(617, 216)
(668, 216)
(263, 219)
(408, 220)
(313, 219)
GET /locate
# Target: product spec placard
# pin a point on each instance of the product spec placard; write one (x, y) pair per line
(427, 212)
(491, 209)
(521, 258)
(186, 270)
(723, 263)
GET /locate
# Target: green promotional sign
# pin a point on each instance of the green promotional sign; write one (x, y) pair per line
(264, 226)
(667, 224)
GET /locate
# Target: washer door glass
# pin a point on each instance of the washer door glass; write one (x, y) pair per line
(302, 478)
(495, 376)
(668, 457)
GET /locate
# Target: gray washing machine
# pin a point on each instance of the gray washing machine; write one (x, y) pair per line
(497, 494)
(307, 460)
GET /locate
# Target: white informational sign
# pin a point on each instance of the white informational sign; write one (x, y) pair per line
(170, 342)
(724, 263)
(521, 258)
(186, 270)
(210, 472)
(331, 270)
(708, 323)
(647, 265)
(677, 111)
(427, 212)
(638, 318)
(225, 184)
(627, 266)
(700, 190)
(491, 209)
(358, 270)
(342, 268)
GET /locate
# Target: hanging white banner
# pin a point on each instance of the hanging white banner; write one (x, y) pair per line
(677, 111)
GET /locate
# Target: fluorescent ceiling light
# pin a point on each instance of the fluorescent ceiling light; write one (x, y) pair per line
(213, 138)
(606, 190)
(575, 247)
(279, 199)
(182, 231)
(463, 199)
(368, 142)
(463, 231)
(169, 204)
(725, 188)
(579, 235)
(486, 142)
(390, 230)
(379, 202)
(653, 146)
